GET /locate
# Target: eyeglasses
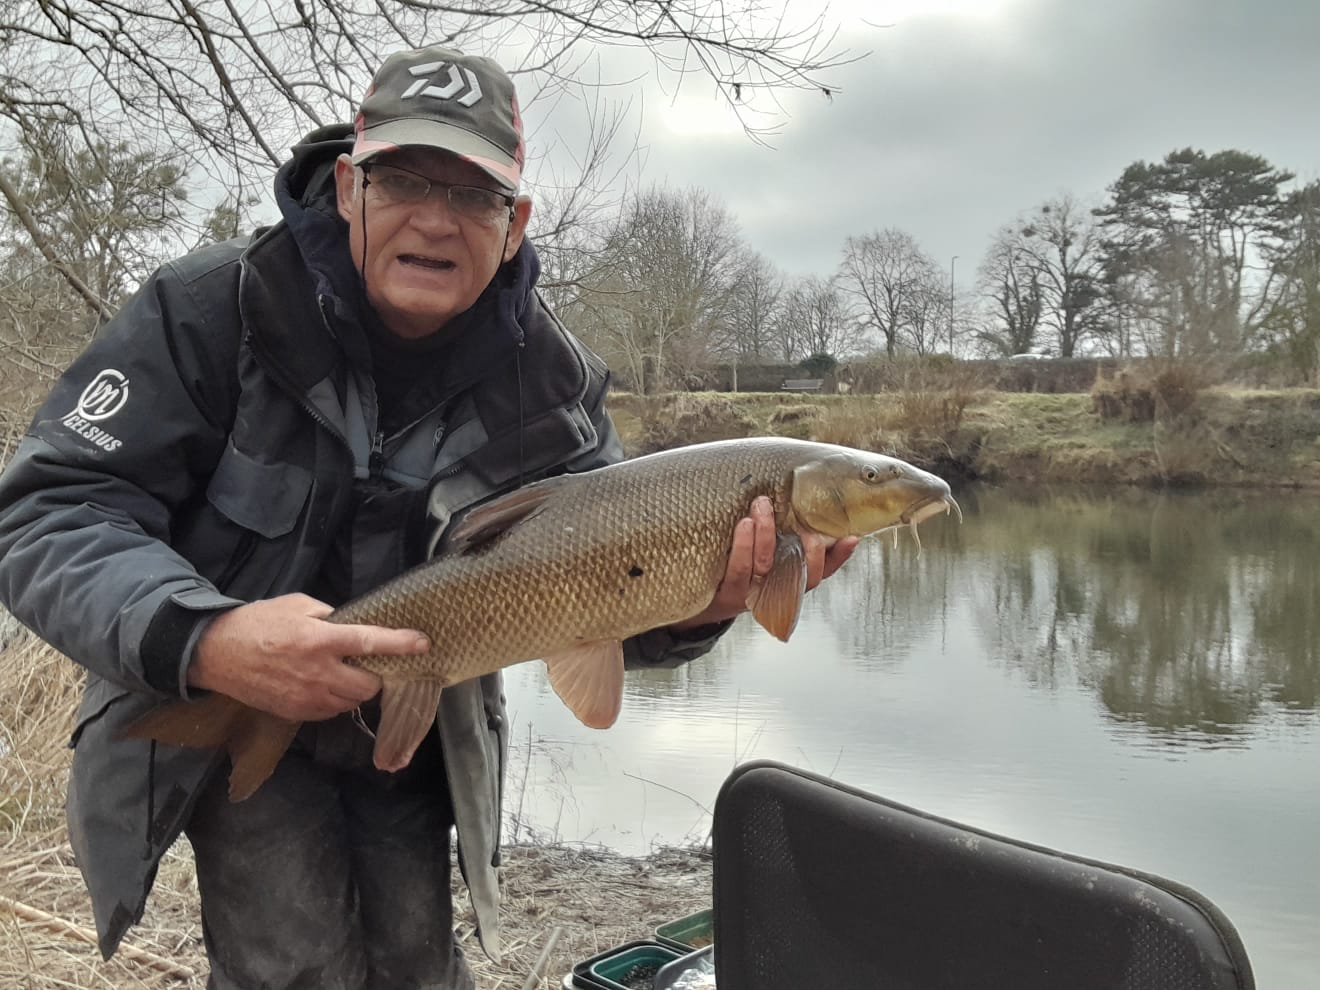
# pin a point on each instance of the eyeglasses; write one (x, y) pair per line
(394, 185)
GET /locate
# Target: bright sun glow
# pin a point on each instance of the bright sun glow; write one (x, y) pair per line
(701, 114)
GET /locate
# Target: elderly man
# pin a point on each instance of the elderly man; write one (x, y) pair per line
(269, 427)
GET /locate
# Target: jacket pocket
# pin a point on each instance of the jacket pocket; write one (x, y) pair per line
(262, 497)
(96, 701)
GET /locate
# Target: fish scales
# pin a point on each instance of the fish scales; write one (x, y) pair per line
(612, 553)
(566, 568)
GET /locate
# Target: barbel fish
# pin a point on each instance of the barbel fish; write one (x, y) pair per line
(567, 568)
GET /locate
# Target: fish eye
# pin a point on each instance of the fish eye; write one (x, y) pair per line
(873, 475)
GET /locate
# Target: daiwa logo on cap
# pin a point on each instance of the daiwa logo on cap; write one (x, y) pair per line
(453, 84)
(104, 396)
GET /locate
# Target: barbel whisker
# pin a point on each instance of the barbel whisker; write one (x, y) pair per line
(361, 722)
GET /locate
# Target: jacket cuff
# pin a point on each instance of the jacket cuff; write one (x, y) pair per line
(167, 646)
(665, 647)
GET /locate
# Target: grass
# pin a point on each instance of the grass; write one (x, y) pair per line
(1220, 437)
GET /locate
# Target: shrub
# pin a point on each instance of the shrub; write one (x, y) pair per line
(819, 365)
(680, 418)
(1144, 393)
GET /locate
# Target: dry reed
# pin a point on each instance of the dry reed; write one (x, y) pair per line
(594, 897)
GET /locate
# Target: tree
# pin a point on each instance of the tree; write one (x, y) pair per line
(81, 228)
(232, 86)
(755, 306)
(224, 89)
(1010, 278)
(664, 287)
(927, 316)
(816, 320)
(1064, 245)
(887, 273)
(1178, 238)
(1291, 325)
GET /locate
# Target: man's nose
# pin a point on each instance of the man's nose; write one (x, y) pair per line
(434, 209)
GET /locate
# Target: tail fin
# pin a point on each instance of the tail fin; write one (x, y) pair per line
(255, 740)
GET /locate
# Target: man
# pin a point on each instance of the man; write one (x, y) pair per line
(268, 428)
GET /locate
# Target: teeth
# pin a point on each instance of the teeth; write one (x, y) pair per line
(414, 259)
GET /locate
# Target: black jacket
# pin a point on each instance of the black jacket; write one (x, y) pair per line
(202, 453)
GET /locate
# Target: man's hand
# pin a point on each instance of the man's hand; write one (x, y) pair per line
(282, 657)
(750, 558)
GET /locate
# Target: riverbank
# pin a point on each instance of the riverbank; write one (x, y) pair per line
(593, 897)
(1188, 438)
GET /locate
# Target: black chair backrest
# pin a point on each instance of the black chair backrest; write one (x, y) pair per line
(819, 885)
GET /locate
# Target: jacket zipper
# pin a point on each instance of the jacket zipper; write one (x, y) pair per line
(276, 372)
(376, 460)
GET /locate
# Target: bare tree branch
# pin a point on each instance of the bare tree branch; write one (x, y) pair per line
(93, 302)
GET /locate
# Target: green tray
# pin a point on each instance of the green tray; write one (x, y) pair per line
(696, 931)
(630, 967)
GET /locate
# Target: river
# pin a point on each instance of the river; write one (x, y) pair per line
(1128, 676)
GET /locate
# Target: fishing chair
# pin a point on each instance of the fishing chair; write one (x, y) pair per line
(819, 885)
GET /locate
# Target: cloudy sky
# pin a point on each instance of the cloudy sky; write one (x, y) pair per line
(968, 112)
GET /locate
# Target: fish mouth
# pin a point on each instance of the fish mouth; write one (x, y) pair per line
(919, 512)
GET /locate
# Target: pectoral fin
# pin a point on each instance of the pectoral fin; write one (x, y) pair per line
(490, 521)
(776, 602)
(589, 680)
(254, 740)
(407, 712)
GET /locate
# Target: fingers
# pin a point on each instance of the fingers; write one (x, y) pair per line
(309, 606)
(751, 555)
(373, 641)
(352, 685)
(281, 656)
(765, 537)
(824, 558)
(837, 555)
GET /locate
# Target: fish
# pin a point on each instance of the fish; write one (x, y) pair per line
(566, 568)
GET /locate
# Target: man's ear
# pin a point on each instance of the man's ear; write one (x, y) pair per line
(345, 184)
(522, 213)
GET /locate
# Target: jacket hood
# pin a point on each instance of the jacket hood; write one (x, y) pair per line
(484, 335)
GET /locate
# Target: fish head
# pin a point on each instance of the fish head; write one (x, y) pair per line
(851, 492)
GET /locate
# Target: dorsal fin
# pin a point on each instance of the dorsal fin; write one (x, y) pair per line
(492, 520)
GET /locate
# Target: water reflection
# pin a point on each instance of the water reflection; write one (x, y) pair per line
(1190, 615)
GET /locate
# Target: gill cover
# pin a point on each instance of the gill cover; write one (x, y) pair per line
(842, 494)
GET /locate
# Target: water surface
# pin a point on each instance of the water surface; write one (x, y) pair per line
(1130, 677)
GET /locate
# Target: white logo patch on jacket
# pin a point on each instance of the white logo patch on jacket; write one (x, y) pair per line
(104, 396)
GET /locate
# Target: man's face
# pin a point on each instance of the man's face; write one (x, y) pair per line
(424, 262)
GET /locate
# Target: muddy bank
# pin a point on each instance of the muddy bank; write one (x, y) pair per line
(593, 898)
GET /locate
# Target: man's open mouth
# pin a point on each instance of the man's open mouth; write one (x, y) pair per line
(439, 264)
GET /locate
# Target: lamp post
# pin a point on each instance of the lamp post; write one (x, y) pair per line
(952, 263)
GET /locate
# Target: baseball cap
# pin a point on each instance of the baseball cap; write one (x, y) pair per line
(440, 98)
